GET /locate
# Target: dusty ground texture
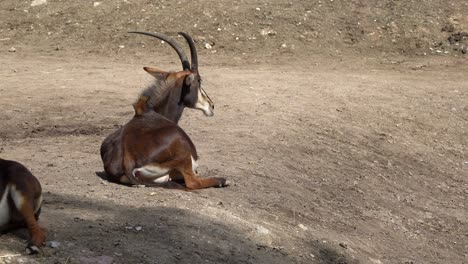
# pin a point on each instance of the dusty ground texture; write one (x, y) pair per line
(334, 156)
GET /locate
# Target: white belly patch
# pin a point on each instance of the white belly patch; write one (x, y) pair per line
(152, 172)
(4, 210)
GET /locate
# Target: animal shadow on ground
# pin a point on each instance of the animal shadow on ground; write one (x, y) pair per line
(102, 175)
(87, 229)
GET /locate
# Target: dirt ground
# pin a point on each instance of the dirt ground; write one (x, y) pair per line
(340, 147)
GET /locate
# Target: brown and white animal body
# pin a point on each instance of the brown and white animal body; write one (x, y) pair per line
(20, 201)
(151, 149)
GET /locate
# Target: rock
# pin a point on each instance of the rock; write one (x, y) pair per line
(284, 45)
(267, 32)
(53, 244)
(303, 227)
(208, 46)
(138, 228)
(263, 236)
(12, 49)
(262, 230)
(97, 4)
(38, 2)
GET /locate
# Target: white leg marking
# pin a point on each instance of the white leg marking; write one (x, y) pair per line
(194, 164)
(18, 198)
(38, 204)
(4, 210)
(162, 179)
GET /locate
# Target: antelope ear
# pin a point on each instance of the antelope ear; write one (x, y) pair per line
(190, 78)
(177, 77)
(156, 73)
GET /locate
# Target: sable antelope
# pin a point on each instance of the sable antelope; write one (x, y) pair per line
(20, 202)
(151, 149)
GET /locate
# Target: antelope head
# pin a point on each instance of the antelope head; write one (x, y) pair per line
(188, 80)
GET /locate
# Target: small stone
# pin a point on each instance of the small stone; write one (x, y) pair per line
(208, 46)
(97, 4)
(53, 244)
(267, 32)
(121, 46)
(138, 228)
(303, 227)
(262, 230)
(343, 245)
(284, 45)
(12, 49)
(38, 2)
(465, 163)
(152, 194)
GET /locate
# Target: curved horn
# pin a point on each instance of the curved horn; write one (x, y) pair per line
(174, 45)
(193, 51)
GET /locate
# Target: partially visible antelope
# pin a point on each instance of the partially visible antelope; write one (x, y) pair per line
(151, 149)
(20, 202)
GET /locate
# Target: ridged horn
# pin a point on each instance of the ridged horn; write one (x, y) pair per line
(193, 50)
(174, 45)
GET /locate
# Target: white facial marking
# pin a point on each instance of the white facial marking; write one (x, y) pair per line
(203, 103)
(4, 210)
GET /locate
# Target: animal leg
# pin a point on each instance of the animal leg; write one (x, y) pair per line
(192, 181)
(35, 231)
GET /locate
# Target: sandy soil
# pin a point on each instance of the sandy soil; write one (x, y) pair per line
(334, 161)
(342, 125)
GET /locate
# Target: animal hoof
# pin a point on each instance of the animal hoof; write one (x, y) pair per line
(223, 183)
(31, 250)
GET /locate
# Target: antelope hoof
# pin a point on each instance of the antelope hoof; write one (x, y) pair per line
(32, 250)
(38, 239)
(222, 183)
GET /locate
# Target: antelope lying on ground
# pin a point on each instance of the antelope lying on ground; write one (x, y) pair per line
(151, 149)
(20, 202)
